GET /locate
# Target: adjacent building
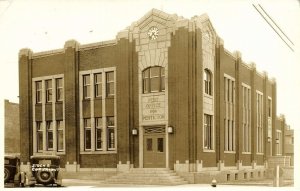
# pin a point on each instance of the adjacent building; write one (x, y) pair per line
(12, 128)
(164, 94)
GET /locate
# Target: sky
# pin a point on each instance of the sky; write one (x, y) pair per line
(46, 25)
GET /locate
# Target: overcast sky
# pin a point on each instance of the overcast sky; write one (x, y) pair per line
(45, 25)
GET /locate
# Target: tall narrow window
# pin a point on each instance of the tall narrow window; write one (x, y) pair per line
(110, 84)
(59, 89)
(229, 125)
(49, 133)
(153, 79)
(269, 107)
(160, 145)
(60, 135)
(259, 121)
(87, 134)
(146, 81)
(278, 142)
(98, 84)
(110, 133)
(86, 87)
(99, 133)
(39, 128)
(38, 89)
(48, 91)
(208, 132)
(162, 81)
(246, 119)
(269, 117)
(207, 82)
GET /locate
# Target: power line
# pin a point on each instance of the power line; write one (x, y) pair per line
(272, 27)
(275, 23)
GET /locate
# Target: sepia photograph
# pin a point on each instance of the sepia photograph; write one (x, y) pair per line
(162, 94)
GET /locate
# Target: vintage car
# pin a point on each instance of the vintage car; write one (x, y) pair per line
(44, 170)
(12, 172)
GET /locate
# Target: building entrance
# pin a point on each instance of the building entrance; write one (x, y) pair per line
(154, 147)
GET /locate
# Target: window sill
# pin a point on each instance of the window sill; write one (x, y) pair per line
(97, 152)
(98, 98)
(259, 153)
(49, 152)
(208, 151)
(207, 95)
(246, 153)
(229, 152)
(153, 93)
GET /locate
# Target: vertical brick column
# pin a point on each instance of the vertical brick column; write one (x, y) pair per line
(25, 56)
(192, 95)
(253, 114)
(274, 114)
(199, 96)
(71, 98)
(219, 95)
(265, 115)
(238, 109)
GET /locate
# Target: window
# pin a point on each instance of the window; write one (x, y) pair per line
(48, 91)
(59, 89)
(149, 144)
(259, 121)
(153, 79)
(38, 89)
(278, 142)
(87, 134)
(269, 107)
(110, 133)
(160, 145)
(207, 82)
(269, 117)
(86, 87)
(99, 133)
(39, 128)
(229, 124)
(208, 132)
(49, 129)
(98, 84)
(110, 83)
(60, 135)
(246, 118)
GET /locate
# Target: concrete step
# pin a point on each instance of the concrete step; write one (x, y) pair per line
(147, 176)
(87, 175)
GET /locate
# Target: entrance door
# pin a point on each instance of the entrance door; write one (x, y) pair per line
(154, 149)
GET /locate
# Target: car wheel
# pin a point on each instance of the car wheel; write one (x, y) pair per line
(6, 174)
(44, 177)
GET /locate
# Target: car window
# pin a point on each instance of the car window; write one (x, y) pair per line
(45, 162)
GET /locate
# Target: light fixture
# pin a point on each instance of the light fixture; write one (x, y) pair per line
(170, 129)
(134, 131)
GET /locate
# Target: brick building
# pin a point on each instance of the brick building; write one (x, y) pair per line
(12, 128)
(164, 94)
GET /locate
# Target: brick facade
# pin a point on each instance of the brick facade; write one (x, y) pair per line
(12, 128)
(184, 48)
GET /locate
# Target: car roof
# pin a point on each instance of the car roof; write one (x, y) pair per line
(11, 156)
(44, 157)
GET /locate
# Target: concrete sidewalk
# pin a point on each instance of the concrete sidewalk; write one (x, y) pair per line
(101, 183)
